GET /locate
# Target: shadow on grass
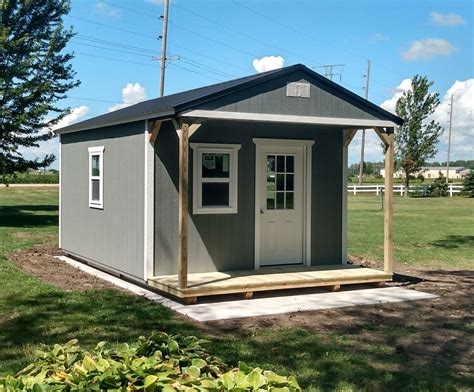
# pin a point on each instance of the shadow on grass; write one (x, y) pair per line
(454, 241)
(28, 215)
(53, 316)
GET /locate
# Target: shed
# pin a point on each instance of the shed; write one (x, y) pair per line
(231, 188)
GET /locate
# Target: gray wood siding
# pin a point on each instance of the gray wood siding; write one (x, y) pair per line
(112, 236)
(270, 98)
(226, 241)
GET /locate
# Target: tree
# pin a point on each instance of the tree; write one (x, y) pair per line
(416, 139)
(34, 75)
(439, 187)
(468, 184)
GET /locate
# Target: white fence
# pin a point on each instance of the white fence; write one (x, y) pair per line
(400, 189)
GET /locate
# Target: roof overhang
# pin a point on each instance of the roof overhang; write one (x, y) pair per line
(84, 126)
(290, 119)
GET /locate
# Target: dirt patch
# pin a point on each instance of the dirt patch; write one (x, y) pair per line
(40, 261)
(439, 332)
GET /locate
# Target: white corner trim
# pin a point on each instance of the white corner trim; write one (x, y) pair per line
(60, 192)
(284, 118)
(260, 144)
(344, 201)
(96, 150)
(232, 150)
(149, 203)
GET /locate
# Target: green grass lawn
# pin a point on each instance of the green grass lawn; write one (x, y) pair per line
(427, 232)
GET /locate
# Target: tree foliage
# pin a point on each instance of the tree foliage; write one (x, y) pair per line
(468, 184)
(416, 139)
(35, 74)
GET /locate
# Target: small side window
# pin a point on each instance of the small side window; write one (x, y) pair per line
(96, 177)
(215, 178)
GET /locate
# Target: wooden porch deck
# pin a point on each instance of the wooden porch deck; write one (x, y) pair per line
(266, 279)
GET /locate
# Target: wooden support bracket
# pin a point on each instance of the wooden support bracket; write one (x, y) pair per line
(384, 137)
(348, 136)
(334, 287)
(190, 300)
(154, 130)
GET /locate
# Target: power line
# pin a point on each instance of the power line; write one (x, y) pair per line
(92, 99)
(235, 31)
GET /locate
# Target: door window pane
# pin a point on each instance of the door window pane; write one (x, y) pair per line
(290, 163)
(95, 165)
(289, 182)
(271, 182)
(280, 201)
(280, 182)
(280, 163)
(289, 200)
(215, 165)
(270, 200)
(215, 194)
(271, 164)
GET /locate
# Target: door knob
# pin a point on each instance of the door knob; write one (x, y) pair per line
(261, 211)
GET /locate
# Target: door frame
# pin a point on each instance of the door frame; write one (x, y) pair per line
(306, 145)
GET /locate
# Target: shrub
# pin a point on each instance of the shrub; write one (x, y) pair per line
(160, 362)
(468, 184)
(438, 188)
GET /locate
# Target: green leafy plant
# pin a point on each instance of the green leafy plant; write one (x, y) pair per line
(439, 187)
(160, 362)
(468, 185)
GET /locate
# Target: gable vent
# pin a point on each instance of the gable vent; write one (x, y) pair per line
(298, 89)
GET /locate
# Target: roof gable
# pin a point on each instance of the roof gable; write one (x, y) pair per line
(169, 105)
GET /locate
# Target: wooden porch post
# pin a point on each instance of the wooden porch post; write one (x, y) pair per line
(388, 210)
(183, 206)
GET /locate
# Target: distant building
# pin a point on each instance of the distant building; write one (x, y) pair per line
(455, 172)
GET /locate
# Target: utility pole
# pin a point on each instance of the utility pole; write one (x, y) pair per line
(362, 146)
(164, 37)
(449, 138)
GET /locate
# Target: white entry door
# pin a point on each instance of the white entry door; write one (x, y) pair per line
(281, 203)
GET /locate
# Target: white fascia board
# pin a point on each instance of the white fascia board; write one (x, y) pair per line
(86, 127)
(283, 118)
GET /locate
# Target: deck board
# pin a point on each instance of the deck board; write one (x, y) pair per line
(231, 282)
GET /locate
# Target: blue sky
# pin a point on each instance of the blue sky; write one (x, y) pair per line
(218, 40)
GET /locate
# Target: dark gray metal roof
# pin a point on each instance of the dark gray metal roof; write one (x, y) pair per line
(168, 105)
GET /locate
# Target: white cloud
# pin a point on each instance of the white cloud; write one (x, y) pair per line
(462, 139)
(391, 103)
(105, 9)
(446, 19)
(268, 63)
(132, 93)
(428, 48)
(73, 117)
(378, 37)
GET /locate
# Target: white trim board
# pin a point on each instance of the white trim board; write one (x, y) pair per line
(219, 309)
(149, 204)
(292, 119)
(307, 145)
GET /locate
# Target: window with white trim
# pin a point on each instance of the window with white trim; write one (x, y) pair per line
(215, 178)
(96, 177)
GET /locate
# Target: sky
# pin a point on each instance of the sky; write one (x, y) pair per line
(118, 41)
